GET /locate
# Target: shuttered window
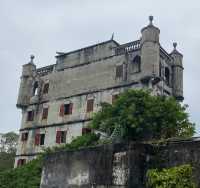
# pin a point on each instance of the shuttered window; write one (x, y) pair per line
(61, 110)
(90, 105)
(45, 113)
(66, 109)
(119, 71)
(39, 139)
(61, 137)
(30, 115)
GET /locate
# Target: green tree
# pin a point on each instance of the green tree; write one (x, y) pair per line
(8, 145)
(137, 115)
(9, 142)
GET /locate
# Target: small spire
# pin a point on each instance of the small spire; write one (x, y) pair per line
(174, 45)
(150, 20)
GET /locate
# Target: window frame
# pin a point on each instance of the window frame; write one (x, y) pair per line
(30, 115)
(45, 112)
(90, 105)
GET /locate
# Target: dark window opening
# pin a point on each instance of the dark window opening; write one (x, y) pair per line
(46, 88)
(42, 137)
(45, 113)
(66, 109)
(90, 105)
(136, 64)
(24, 136)
(61, 137)
(119, 71)
(21, 162)
(167, 76)
(39, 139)
(114, 98)
(35, 89)
(86, 130)
(30, 115)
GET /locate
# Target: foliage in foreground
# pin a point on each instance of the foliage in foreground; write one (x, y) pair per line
(27, 176)
(8, 145)
(6, 161)
(137, 115)
(179, 177)
(79, 142)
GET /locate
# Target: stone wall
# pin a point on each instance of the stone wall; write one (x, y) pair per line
(120, 165)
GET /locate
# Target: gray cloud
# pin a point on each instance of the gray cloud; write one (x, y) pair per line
(44, 27)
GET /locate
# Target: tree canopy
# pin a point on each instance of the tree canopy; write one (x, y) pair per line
(8, 145)
(137, 115)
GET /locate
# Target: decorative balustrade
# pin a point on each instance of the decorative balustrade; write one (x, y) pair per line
(164, 54)
(128, 47)
(45, 70)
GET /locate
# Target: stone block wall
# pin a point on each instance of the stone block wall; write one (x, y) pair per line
(117, 166)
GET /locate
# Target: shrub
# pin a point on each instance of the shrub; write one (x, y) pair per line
(176, 177)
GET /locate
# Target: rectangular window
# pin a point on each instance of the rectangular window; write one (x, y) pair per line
(30, 115)
(42, 137)
(66, 109)
(86, 130)
(119, 71)
(24, 136)
(45, 113)
(21, 162)
(61, 137)
(90, 105)
(46, 88)
(39, 139)
(114, 98)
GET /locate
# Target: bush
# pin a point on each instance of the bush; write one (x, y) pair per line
(79, 142)
(176, 177)
(27, 176)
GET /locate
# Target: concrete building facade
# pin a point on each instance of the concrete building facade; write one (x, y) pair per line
(57, 101)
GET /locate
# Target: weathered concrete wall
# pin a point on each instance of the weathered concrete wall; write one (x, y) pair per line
(119, 165)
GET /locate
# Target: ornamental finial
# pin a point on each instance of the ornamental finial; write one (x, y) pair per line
(175, 45)
(32, 58)
(151, 20)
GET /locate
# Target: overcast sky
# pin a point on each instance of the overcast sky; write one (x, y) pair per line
(42, 27)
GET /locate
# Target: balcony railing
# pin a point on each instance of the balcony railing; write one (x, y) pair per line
(45, 70)
(128, 47)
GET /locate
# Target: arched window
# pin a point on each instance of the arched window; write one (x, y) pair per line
(136, 64)
(35, 88)
(167, 76)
